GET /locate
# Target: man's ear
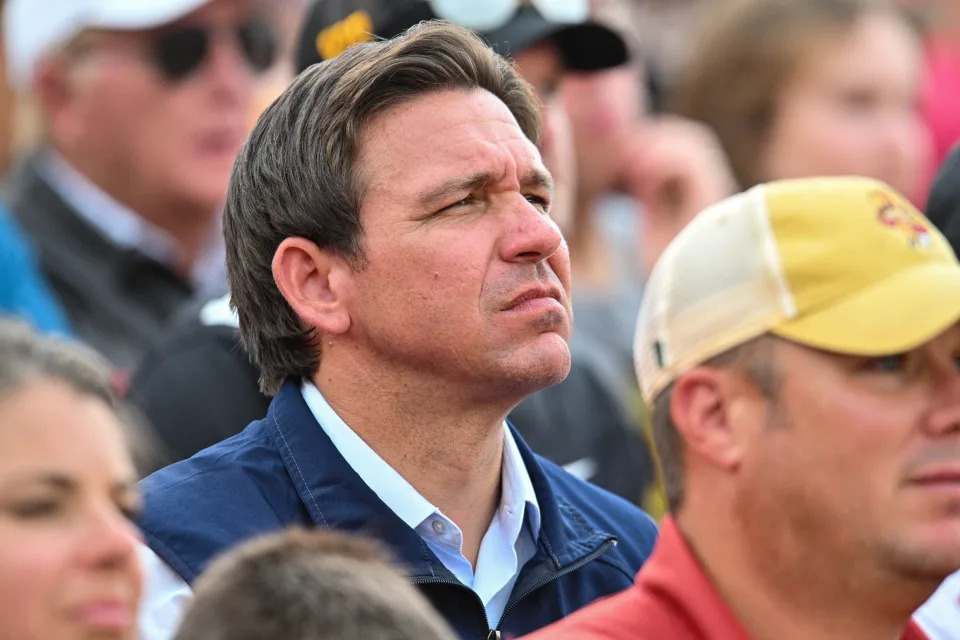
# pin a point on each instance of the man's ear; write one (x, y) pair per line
(315, 283)
(55, 93)
(701, 408)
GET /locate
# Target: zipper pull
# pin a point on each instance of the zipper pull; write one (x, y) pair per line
(493, 635)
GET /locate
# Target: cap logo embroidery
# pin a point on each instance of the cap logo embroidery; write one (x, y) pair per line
(338, 37)
(901, 219)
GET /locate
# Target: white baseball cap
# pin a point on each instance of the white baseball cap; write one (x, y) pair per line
(33, 28)
(847, 265)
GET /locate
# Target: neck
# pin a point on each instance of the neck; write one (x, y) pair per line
(797, 592)
(449, 451)
(189, 222)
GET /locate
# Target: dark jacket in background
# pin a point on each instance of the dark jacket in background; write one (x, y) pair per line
(117, 300)
(943, 203)
(198, 387)
(284, 470)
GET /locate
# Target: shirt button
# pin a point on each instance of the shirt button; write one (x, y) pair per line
(438, 526)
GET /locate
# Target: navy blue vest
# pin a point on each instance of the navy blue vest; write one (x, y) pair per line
(284, 470)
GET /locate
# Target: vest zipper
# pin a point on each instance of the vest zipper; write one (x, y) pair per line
(495, 634)
(606, 546)
(417, 581)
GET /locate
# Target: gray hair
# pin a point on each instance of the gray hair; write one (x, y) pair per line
(26, 357)
(299, 173)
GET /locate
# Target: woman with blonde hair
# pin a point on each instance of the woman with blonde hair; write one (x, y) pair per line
(68, 496)
(796, 88)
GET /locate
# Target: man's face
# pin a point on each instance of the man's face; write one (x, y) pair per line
(859, 460)
(467, 278)
(542, 66)
(134, 129)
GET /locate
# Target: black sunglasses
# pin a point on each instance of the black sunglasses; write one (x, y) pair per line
(181, 51)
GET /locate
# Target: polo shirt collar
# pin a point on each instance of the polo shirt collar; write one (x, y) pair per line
(673, 574)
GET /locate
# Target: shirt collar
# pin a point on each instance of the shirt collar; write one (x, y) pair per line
(673, 573)
(516, 487)
(675, 578)
(125, 228)
(399, 495)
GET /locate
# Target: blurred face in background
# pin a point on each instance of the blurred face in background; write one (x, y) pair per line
(68, 564)
(603, 107)
(120, 116)
(542, 66)
(850, 108)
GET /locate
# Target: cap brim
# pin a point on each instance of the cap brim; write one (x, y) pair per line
(143, 14)
(587, 46)
(895, 315)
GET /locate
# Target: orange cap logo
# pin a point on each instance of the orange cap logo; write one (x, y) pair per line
(903, 219)
(338, 37)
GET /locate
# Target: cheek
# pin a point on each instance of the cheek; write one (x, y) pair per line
(861, 441)
(435, 279)
(33, 579)
(165, 128)
(141, 121)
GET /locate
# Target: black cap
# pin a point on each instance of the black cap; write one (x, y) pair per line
(943, 203)
(333, 25)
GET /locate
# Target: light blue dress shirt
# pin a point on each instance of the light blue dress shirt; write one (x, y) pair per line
(510, 541)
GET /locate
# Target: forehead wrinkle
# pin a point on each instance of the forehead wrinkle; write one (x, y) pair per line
(488, 144)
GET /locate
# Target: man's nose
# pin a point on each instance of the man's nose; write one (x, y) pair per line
(227, 67)
(532, 236)
(945, 416)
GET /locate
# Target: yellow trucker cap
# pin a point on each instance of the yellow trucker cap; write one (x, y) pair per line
(842, 264)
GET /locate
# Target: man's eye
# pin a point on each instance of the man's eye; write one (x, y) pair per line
(465, 202)
(35, 509)
(887, 364)
(540, 203)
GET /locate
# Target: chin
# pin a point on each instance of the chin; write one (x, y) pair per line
(205, 189)
(932, 553)
(544, 365)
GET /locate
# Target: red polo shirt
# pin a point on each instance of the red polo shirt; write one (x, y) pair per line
(672, 598)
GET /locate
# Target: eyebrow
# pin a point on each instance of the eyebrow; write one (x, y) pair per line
(538, 178)
(61, 482)
(54, 480)
(535, 177)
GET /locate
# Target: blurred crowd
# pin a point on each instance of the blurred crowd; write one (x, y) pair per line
(217, 213)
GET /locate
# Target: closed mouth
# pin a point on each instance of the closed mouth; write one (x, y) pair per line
(533, 294)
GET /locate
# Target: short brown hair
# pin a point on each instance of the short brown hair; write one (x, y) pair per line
(755, 359)
(298, 173)
(301, 585)
(747, 53)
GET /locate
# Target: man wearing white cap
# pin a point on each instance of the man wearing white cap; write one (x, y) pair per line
(144, 105)
(799, 344)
